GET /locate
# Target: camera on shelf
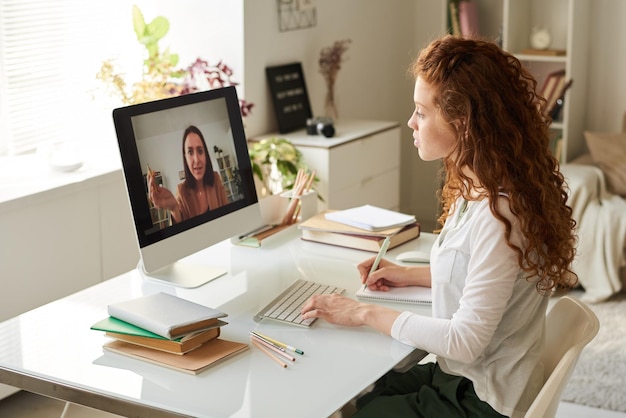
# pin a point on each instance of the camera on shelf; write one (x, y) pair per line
(320, 126)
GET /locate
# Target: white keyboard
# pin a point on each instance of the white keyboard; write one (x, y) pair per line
(286, 307)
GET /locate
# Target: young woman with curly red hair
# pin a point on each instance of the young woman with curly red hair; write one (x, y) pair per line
(507, 243)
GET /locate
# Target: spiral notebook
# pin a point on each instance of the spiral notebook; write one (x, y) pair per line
(409, 294)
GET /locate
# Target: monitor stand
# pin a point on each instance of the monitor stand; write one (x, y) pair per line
(184, 274)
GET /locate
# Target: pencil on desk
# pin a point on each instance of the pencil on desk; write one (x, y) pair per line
(273, 347)
(285, 346)
(272, 356)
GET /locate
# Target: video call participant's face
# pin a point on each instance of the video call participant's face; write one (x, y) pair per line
(195, 155)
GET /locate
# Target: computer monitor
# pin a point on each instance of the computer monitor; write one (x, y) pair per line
(162, 144)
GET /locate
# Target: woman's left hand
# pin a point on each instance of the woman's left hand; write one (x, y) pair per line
(336, 309)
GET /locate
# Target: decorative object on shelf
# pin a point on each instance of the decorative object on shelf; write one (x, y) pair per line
(540, 38)
(296, 14)
(289, 96)
(330, 63)
(161, 78)
(555, 110)
(275, 163)
(320, 126)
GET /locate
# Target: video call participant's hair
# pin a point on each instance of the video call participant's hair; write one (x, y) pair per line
(209, 177)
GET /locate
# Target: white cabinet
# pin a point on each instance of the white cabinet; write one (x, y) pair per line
(59, 241)
(511, 22)
(359, 165)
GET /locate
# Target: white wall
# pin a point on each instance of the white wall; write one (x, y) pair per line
(607, 66)
(373, 82)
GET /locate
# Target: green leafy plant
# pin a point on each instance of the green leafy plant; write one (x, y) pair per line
(161, 76)
(275, 162)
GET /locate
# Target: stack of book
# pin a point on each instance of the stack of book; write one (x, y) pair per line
(348, 229)
(167, 330)
(553, 90)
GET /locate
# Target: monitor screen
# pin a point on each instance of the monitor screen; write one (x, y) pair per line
(189, 180)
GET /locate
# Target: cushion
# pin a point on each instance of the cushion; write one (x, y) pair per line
(608, 151)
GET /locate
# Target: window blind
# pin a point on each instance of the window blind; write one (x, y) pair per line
(50, 52)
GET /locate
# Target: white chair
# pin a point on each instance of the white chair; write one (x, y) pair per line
(570, 326)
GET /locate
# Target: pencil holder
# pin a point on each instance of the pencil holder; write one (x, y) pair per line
(273, 207)
(308, 203)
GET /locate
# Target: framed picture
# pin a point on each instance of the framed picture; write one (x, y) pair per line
(296, 14)
(289, 96)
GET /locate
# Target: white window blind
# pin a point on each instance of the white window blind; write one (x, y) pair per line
(50, 52)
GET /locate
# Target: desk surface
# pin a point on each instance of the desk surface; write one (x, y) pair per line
(52, 351)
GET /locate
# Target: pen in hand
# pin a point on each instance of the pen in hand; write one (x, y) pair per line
(379, 256)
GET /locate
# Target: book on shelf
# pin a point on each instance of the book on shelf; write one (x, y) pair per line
(370, 218)
(552, 88)
(468, 18)
(557, 106)
(546, 52)
(166, 315)
(359, 241)
(409, 294)
(453, 17)
(193, 362)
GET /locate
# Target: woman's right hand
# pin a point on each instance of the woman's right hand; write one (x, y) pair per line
(161, 197)
(389, 275)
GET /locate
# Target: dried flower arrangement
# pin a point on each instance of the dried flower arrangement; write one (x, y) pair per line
(330, 63)
(161, 78)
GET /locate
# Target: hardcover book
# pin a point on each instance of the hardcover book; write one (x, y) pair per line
(166, 315)
(361, 242)
(371, 218)
(192, 362)
(180, 346)
(320, 222)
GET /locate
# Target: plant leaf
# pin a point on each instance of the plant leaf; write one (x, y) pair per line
(158, 28)
(139, 24)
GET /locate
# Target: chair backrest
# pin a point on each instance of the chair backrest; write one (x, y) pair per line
(570, 325)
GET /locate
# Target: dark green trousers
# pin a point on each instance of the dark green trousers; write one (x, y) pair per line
(424, 391)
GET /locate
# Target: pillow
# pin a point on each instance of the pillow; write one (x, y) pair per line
(608, 151)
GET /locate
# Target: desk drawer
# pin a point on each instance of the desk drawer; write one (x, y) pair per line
(382, 190)
(352, 163)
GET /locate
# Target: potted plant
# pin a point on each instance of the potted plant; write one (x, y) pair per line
(275, 163)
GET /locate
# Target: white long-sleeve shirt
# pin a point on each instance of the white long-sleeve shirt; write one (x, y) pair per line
(488, 320)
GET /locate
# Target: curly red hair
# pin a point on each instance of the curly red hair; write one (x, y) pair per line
(488, 99)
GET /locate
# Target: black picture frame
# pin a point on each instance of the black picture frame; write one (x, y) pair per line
(289, 96)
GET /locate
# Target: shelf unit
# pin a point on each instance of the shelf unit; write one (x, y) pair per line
(510, 22)
(228, 173)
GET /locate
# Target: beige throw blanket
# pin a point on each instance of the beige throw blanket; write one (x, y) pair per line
(601, 218)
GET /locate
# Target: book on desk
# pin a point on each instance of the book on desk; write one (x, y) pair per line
(190, 352)
(320, 229)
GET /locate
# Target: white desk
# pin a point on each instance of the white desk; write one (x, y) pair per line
(52, 351)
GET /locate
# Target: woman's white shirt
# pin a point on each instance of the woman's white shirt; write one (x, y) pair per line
(487, 320)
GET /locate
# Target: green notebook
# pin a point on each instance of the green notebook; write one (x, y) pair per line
(111, 324)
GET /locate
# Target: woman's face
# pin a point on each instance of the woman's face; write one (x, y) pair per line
(431, 136)
(195, 155)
